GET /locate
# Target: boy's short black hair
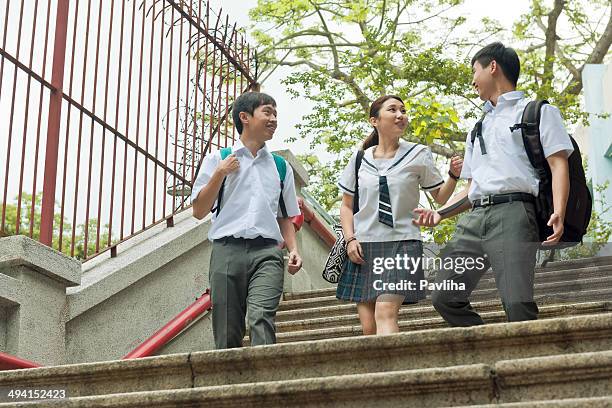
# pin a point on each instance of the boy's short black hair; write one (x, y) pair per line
(504, 56)
(248, 102)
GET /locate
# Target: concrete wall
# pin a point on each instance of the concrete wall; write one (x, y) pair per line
(33, 281)
(177, 273)
(116, 303)
(597, 79)
(3, 317)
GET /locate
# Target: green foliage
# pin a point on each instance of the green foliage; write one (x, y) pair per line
(27, 222)
(445, 230)
(345, 53)
(351, 52)
(556, 76)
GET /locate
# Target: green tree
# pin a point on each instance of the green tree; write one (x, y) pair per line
(347, 53)
(563, 36)
(31, 221)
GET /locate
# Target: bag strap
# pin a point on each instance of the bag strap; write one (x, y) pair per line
(530, 130)
(281, 167)
(358, 160)
(477, 133)
(225, 152)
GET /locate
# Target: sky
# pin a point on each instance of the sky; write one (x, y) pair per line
(291, 111)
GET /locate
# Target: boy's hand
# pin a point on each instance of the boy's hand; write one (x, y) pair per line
(557, 223)
(295, 262)
(229, 165)
(426, 217)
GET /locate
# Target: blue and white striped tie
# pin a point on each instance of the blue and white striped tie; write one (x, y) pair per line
(385, 214)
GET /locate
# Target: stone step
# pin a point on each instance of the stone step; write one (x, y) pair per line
(423, 388)
(578, 263)
(364, 354)
(546, 312)
(549, 288)
(594, 402)
(488, 281)
(417, 313)
(562, 376)
(604, 262)
(539, 378)
(349, 308)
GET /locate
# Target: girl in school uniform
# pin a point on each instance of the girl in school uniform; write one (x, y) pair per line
(385, 250)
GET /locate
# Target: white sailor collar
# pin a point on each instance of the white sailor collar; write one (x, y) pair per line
(406, 152)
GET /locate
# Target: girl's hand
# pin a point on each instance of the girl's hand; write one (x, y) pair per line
(456, 165)
(355, 253)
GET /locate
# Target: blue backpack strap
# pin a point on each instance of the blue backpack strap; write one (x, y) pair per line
(281, 167)
(225, 152)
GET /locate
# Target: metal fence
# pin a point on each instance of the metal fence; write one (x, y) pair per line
(106, 109)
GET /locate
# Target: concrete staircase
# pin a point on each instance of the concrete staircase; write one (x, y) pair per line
(562, 360)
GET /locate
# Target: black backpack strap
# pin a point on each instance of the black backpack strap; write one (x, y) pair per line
(358, 160)
(219, 198)
(530, 128)
(477, 133)
(281, 201)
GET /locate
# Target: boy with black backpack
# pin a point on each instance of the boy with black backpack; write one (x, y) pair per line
(253, 193)
(502, 229)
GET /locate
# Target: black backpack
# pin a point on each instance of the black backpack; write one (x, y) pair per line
(579, 201)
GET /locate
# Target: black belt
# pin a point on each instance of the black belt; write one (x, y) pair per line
(258, 241)
(502, 198)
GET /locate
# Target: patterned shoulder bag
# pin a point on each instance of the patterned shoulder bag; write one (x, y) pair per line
(338, 254)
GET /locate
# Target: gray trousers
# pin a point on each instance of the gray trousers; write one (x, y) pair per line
(505, 237)
(245, 275)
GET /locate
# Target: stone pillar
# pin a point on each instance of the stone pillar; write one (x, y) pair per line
(33, 282)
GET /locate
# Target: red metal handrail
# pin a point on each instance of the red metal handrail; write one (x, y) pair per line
(8, 362)
(173, 328)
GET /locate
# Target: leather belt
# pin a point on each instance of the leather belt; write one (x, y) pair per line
(258, 241)
(502, 198)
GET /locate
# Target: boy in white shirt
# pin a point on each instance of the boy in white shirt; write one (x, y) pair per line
(501, 230)
(252, 206)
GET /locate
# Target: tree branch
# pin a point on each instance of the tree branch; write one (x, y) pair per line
(551, 42)
(596, 57)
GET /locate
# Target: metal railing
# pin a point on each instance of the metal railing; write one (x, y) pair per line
(139, 91)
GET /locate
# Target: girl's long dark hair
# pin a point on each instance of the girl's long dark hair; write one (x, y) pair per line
(372, 140)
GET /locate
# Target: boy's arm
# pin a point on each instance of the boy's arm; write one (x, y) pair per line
(288, 233)
(458, 204)
(559, 169)
(285, 224)
(203, 202)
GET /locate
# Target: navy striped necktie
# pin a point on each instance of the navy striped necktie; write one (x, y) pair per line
(385, 215)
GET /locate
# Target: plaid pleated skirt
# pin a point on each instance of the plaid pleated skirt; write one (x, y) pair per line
(389, 268)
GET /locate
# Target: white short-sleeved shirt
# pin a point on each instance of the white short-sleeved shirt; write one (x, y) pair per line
(411, 167)
(506, 168)
(250, 204)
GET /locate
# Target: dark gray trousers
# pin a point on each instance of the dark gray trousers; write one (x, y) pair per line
(245, 276)
(505, 236)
